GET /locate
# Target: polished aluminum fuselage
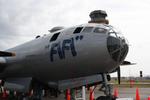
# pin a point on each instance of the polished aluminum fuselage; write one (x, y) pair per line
(33, 58)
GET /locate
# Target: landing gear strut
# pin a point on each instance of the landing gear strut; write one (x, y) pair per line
(106, 88)
(37, 90)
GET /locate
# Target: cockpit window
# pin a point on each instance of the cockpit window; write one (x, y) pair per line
(87, 29)
(77, 30)
(113, 34)
(54, 37)
(100, 30)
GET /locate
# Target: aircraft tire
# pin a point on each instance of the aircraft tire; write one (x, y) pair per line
(105, 98)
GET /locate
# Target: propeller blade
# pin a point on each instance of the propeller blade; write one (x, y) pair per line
(127, 63)
(6, 54)
(119, 75)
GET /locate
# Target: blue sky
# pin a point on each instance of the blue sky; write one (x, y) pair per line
(22, 20)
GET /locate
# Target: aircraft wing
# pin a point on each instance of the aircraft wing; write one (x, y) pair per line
(77, 82)
(22, 84)
(18, 84)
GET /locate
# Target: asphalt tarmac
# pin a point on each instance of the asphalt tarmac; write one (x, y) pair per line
(122, 93)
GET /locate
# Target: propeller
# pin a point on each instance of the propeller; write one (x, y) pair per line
(119, 70)
(127, 63)
(119, 75)
(6, 54)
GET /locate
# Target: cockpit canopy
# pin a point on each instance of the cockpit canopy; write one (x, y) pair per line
(117, 45)
(103, 29)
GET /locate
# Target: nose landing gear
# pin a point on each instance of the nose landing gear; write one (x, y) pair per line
(106, 88)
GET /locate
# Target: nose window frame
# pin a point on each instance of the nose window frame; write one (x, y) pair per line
(100, 30)
(113, 34)
(87, 29)
(77, 30)
(54, 37)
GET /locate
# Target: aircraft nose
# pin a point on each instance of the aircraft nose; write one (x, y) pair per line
(117, 48)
